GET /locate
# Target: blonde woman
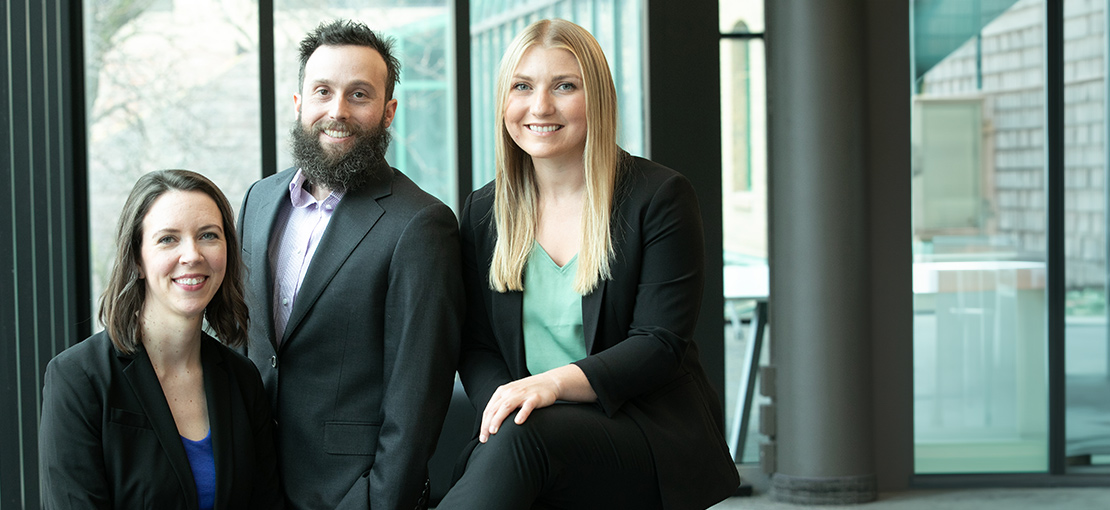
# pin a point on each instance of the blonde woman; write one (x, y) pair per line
(584, 274)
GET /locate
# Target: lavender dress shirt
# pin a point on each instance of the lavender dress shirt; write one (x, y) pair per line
(301, 222)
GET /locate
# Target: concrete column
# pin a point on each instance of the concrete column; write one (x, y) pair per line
(817, 104)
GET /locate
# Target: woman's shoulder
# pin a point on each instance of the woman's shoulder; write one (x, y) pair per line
(99, 345)
(236, 362)
(93, 359)
(645, 166)
(479, 205)
(646, 178)
(482, 198)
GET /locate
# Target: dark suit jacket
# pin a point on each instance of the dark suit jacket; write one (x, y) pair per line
(638, 329)
(107, 438)
(363, 375)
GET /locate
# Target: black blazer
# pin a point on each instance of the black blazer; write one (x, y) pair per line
(107, 438)
(638, 328)
(361, 380)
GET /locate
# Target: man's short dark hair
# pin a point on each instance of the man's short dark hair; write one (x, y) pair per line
(349, 32)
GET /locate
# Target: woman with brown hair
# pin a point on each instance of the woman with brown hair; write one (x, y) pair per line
(584, 272)
(153, 412)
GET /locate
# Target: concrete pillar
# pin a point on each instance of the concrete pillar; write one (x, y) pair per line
(817, 104)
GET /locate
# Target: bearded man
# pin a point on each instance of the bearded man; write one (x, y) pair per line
(354, 289)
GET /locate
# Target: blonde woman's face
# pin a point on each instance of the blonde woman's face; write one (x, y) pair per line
(545, 113)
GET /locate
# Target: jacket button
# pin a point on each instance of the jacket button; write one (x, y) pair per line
(273, 361)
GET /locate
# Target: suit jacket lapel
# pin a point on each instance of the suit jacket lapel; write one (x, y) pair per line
(508, 309)
(148, 391)
(591, 312)
(272, 197)
(591, 303)
(217, 390)
(352, 220)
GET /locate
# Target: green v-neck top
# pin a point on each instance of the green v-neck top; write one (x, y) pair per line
(552, 313)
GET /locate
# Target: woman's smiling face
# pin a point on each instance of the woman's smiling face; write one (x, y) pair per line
(545, 113)
(184, 254)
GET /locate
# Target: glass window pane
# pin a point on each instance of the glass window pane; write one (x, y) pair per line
(744, 209)
(1087, 358)
(741, 13)
(168, 85)
(615, 24)
(978, 205)
(424, 126)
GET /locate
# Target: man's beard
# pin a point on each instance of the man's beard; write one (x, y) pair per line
(343, 171)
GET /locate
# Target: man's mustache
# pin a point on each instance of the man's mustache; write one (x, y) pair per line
(336, 125)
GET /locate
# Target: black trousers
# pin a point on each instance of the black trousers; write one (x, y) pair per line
(569, 456)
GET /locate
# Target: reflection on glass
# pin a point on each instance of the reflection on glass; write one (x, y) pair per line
(168, 85)
(615, 24)
(424, 126)
(744, 209)
(1086, 358)
(978, 202)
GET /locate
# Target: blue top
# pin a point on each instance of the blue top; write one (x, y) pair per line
(204, 469)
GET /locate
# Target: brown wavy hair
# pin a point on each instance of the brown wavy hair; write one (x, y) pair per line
(125, 293)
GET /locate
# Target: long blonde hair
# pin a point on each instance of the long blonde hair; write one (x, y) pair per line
(515, 198)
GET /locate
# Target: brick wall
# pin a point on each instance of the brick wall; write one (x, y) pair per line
(1010, 54)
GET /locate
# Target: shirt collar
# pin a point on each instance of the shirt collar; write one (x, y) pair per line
(300, 197)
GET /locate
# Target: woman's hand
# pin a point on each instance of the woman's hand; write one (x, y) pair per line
(566, 383)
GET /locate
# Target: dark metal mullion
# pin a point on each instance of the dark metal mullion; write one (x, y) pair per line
(618, 63)
(266, 86)
(464, 157)
(51, 319)
(77, 187)
(1106, 166)
(977, 9)
(1054, 145)
(1005, 480)
(742, 35)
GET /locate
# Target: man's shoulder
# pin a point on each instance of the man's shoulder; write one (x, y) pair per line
(279, 180)
(407, 194)
(271, 185)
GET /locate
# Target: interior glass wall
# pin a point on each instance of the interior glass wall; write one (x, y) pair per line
(1086, 358)
(169, 84)
(744, 209)
(979, 237)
